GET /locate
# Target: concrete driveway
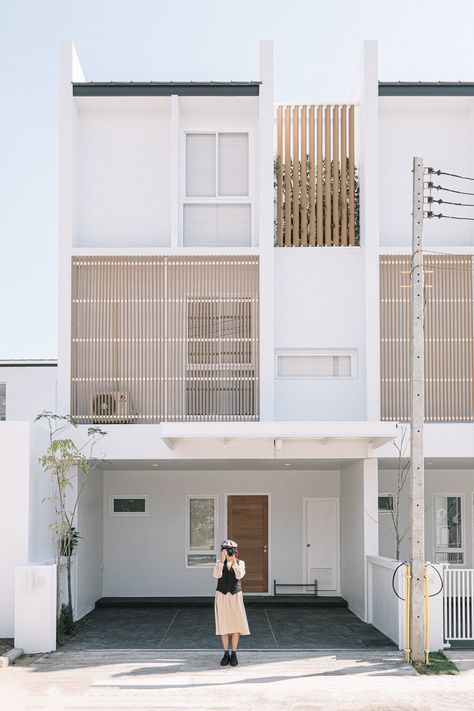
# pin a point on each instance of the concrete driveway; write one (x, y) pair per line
(76, 680)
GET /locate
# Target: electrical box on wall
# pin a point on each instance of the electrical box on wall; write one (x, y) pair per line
(35, 608)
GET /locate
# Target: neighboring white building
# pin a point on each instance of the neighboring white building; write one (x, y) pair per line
(251, 373)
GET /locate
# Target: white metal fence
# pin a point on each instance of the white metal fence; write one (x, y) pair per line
(458, 604)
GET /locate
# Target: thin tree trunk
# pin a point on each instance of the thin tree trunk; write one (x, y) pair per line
(58, 589)
(69, 584)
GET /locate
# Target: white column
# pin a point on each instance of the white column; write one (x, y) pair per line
(368, 163)
(265, 229)
(359, 531)
(174, 172)
(69, 71)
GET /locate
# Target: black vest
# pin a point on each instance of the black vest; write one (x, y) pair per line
(228, 583)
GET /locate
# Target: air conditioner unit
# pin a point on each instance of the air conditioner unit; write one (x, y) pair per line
(113, 407)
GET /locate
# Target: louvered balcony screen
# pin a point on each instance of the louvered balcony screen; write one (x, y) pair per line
(448, 337)
(165, 339)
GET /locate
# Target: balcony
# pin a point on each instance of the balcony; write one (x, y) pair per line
(165, 339)
(448, 339)
(315, 177)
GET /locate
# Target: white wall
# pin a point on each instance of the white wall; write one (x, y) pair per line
(447, 481)
(145, 556)
(41, 513)
(359, 536)
(319, 303)
(440, 131)
(90, 548)
(386, 611)
(123, 176)
(30, 390)
(14, 493)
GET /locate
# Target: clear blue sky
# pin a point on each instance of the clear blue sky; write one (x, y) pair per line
(317, 45)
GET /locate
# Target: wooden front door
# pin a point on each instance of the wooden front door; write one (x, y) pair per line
(247, 524)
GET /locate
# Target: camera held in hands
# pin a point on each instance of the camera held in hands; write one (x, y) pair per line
(230, 547)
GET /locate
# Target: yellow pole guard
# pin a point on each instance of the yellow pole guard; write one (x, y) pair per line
(407, 612)
(427, 614)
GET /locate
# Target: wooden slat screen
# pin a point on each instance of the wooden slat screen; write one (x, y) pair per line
(165, 339)
(448, 338)
(316, 183)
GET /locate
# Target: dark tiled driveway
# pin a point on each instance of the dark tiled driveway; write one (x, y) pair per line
(193, 628)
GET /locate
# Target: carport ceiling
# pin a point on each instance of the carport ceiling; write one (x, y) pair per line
(225, 464)
(433, 463)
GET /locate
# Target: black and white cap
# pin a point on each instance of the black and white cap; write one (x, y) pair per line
(229, 544)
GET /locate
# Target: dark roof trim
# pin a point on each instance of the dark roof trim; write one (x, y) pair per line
(421, 88)
(157, 88)
(28, 364)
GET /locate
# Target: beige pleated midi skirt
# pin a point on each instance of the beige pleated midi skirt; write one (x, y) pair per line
(230, 613)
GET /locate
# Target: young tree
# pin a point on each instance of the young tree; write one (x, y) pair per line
(403, 470)
(69, 465)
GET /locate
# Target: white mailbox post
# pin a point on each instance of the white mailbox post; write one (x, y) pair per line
(35, 608)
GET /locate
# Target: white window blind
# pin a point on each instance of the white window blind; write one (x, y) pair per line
(314, 365)
(233, 164)
(209, 225)
(200, 165)
(217, 208)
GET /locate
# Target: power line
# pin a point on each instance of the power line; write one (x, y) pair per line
(430, 215)
(430, 200)
(431, 186)
(431, 171)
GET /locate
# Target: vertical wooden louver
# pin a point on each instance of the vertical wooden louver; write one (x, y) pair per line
(316, 183)
(165, 339)
(448, 338)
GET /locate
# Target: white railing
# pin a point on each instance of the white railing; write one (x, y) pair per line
(458, 597)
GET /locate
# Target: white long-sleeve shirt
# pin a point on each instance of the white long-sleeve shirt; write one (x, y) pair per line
(238, 567)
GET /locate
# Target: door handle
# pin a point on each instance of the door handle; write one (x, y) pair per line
(265, 549)
(308, 545)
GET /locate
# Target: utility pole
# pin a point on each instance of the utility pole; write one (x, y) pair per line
(417, 552)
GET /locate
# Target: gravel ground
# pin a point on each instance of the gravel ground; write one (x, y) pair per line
(5, 645)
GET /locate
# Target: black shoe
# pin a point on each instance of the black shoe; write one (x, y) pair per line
(233, 659)
(225, 659)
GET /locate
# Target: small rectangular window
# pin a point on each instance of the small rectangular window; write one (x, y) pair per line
(126, 505)
(3, 401)
(448, 525)
(386, 503)
(201, 531)
(315, 364)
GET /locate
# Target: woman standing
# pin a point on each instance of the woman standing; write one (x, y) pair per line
(229, 609)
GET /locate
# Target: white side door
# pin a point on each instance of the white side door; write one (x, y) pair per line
(321, 543)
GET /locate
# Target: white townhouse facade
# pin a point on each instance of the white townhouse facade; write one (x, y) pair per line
(232, 312)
